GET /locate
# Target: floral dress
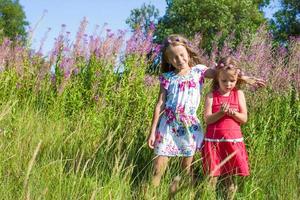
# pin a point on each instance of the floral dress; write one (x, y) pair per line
(179, 132)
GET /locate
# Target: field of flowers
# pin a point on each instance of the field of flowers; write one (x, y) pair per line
(74, 123)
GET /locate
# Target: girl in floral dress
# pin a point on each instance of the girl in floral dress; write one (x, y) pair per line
(176, 129)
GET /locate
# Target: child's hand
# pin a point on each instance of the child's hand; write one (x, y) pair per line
(224, 108)
(256, 82)
(231, 112)
(151, 140)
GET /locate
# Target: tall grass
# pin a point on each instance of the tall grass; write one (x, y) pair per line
(73, 128)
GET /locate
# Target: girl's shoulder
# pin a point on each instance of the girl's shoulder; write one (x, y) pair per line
(209, 95)
(199, 71)
(199, 68)
(167, 75)
(240, 92)
(165, 79)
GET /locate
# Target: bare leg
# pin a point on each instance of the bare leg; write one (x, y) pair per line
(186, 166)
(160, 165)
(213, 182)
(212, 186)
(230, 186)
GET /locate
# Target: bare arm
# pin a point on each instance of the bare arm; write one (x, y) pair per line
(210, 117)
(160, 106)
(242, 115)
(225, 109)
(257, 82)
(211, 73)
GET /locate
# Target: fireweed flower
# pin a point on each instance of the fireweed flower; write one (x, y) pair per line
(140, 43)
(58, 46)
(5, 52)
(150, 80)
(96, 98)
(43, 41)
(78, 47)
(75, 71)
(67, 66)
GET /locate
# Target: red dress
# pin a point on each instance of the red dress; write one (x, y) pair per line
(224, 151)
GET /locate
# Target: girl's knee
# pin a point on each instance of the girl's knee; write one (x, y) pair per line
(160, 165)
(158, 171)
(229, 182)
(187, 168)
(187, 164)
(232, 187)
(157, 174)
(213, 181)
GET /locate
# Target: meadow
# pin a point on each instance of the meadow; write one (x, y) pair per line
(74, 123)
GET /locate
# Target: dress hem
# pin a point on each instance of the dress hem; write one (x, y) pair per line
(229, 174)
(174, 155)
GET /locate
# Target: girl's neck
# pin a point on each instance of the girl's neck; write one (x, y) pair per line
(183, 72)
(224, 93)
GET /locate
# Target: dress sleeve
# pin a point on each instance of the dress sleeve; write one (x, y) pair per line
(164, 82)
(200, 70)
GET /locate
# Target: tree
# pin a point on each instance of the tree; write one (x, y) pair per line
(210, 17)
(12, 20)
(143, 17)
(286, 21)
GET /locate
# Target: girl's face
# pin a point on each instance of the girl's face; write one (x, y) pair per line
(227, 80)
(178, 57)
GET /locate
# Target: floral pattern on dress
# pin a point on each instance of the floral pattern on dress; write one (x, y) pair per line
(179, 129)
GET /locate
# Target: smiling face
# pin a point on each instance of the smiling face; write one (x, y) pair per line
(178, 57)
(227, 80)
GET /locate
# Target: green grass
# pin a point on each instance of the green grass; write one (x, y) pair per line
(68, 146)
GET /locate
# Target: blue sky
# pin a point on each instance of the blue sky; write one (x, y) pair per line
(71, 13)
(97, 12)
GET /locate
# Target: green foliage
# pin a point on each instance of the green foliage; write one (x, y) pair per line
(12, 20)
(143, 17)
(210, 17)
(261, 3)
(83, 135)
(286, 21)
(90, 140)
(93, 136)
(100, 151)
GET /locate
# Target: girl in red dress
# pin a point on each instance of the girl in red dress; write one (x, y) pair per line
(224, 153)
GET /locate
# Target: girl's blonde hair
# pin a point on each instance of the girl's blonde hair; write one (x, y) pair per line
(227, 64)
(175, 40)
